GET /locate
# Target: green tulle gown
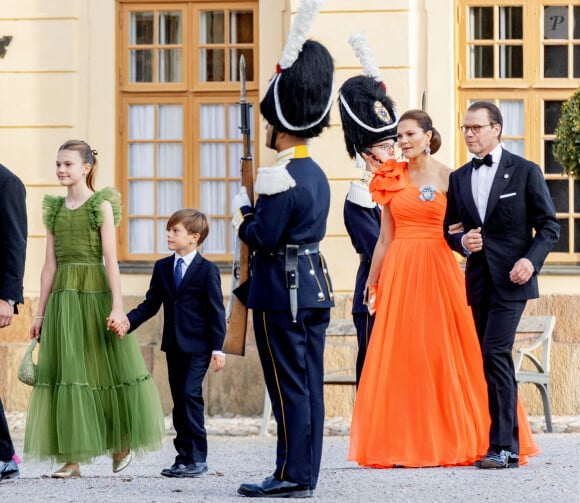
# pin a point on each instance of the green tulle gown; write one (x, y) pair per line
(94, 393)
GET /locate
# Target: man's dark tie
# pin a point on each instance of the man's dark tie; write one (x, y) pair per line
(477, 162)
(177, 273)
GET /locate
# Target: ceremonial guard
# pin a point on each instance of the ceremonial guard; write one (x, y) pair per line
(369, 123)
(290, 291)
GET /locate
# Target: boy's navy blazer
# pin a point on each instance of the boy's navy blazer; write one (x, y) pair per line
(194, 315)
(520, 221)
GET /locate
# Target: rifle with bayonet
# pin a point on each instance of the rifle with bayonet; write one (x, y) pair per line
(237, 312)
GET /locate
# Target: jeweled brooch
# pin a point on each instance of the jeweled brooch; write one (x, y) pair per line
(427, 193)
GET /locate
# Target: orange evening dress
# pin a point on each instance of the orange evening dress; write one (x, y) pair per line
(422, 398)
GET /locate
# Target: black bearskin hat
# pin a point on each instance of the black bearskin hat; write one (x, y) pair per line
(299, 97)
(367, 113)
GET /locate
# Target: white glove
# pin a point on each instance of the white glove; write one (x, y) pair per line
(241, 199)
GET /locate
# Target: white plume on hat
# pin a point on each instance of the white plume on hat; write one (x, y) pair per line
(360, 44)
(301, 25)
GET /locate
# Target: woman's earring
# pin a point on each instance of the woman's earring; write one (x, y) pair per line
(427, 150)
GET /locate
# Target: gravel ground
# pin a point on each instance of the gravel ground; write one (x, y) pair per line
(552, 476)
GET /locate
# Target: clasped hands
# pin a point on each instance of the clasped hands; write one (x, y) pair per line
(118, 323)
(472, 241)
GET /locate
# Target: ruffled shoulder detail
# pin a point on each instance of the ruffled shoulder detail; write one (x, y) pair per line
(50, 207)
(96, 217)
(388, 179)
(273, 180)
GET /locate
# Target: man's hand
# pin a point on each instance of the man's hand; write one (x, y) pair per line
(240, 200)
(6, 313)
(472, 240)
(219, 361)
(522, 271)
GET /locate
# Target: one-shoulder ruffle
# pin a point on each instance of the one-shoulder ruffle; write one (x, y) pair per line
(96, 217)
(388, 179)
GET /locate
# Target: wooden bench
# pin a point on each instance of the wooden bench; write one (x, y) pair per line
(532, 357)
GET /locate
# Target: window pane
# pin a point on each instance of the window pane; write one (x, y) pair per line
(141, 28)
(511, 64)
(234, 189)
(211, 27)
(170, 160)
(576, 235)
(170, 122)
(481, 62)
(236, 150)
(141, 65)
(141, 122)
(141, 198)
(559, 191)
(141, 160)
(213, 200)
(162, 237)
(556, 22)
(241, 27)
(551, 115)
(510, 23)
(215, 241)
(170, 65)
(562, 244)
(169, 197)
(235, 64)
(213, 160)
(481, 23)
(235, 121)
(169, 28)
(551, 166)
(513, 117)
(577, 61)
(212, 122)
(211, 65)
(514, 146)
(555, 61)
(576, 27)
(142, 236)
(577, 197)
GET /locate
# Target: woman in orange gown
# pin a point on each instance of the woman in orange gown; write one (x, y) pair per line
(422, 398)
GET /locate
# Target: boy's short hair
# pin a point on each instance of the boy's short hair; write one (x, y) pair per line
(193, 220)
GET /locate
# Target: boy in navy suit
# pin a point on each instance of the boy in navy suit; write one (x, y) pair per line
(189, 287)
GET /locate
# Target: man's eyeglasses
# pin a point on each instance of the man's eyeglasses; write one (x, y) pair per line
(384, 146)
(474, 129)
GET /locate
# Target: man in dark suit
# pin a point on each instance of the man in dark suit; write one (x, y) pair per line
(290, 290)
(13, 233)
(194, 328)
(509, 227)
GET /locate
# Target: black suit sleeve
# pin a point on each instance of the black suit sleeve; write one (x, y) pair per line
(13, 236)
(542, 216)
(150, 306)
(452, 216)
(215, 316)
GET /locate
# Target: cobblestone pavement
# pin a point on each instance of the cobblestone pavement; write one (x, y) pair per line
(239, 426)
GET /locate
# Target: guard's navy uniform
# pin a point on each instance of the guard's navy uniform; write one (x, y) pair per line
(362, 219)
(291, 296)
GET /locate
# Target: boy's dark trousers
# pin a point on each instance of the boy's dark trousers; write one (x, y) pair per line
(186, 373)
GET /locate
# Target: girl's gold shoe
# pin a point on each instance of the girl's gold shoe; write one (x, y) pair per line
(68, 471)
(120, 461)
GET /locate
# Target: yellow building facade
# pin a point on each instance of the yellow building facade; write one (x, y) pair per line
(153, 87)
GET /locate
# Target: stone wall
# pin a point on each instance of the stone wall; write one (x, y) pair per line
(239, 388)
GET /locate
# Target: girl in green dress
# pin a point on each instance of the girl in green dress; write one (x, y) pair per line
(94, 394)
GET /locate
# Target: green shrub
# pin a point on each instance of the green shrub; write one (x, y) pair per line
(567, 142)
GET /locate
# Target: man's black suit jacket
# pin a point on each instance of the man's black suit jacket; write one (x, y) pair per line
(520, 221)
(194, 315)
(13, 234)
